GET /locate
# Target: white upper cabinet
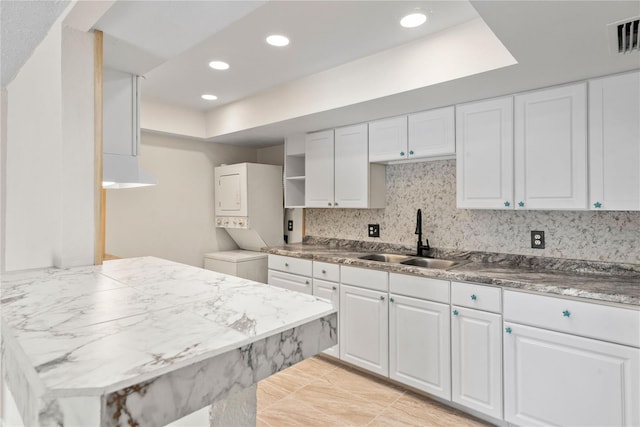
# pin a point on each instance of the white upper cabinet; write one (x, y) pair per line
(319, 169)
(388, 139)
(550, 148)
(420, 135)
(484, 159)
(432, 133)
(339, 174)
(351, 167)
(614, 142)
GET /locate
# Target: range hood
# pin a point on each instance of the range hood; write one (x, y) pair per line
(121, 132)
(123, 172)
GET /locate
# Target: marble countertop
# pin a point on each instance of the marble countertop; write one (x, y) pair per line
(96, 330)
(600, 281)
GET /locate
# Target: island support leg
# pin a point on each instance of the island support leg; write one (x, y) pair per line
(237, 410)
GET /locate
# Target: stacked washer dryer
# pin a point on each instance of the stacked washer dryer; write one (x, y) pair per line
(249, 206)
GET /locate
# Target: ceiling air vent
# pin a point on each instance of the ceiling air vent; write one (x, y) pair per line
(624, 36)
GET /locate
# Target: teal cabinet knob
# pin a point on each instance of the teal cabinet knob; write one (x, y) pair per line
(455, 312)
(286, 264)
(334, 288)
(507, 330)
(335, 204)
(329, 203)
(566, 313)
(402, 153)
(597, 205)
(507, 204)
(411, 152)
(521, 204)
(381, 298)
(306, 282)
(391, 300)
(324, 271)
(474, 297)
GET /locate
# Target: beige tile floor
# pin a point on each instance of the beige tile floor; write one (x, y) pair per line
(321, 392)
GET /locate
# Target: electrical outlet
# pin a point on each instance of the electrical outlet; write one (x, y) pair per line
(374, 230)
(290, 225)
(537, 239)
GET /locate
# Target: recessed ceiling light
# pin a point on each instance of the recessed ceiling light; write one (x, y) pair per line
(277, 40)
(219, 65)
(413, 20)
(209, 97)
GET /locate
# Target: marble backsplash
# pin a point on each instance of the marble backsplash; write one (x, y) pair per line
(431, 186)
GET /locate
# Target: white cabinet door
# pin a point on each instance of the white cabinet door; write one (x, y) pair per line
(551, 148)
(351, 167)
(484, 154)
(363, 326)
(419, 344)
(329, 290)
(432, 133)
(614, 142)
(476, 360)
(319, 169)
(388, 139)
(293, 282)
(557, 379)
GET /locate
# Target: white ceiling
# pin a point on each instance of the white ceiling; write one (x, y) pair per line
(323, 34)
(23, 25)
(170, 42)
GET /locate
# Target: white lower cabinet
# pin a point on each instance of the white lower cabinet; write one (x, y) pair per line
(476, 347)
(476, 360)
(419, 344)
(364, 339)
(553, 376)
(364, 318)
(326, 285)
(290, 273)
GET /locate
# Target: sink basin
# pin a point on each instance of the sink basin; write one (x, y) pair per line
(442, 264)
(386, 257)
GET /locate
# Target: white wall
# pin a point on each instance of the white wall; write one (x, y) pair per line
(77, 189)
(33, 169)
(174, 219)
(271, 155)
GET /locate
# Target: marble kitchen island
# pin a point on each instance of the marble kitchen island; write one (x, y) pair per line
(145, 341)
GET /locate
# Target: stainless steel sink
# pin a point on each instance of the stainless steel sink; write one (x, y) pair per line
(386, 257)
(441, 264)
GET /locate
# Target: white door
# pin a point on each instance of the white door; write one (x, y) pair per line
(329, 290)
(614, 142)
(419, 344)
(484, 154)
(319, 169)
(551, 148)
(364, 340)
(351, 174)
(476, 360)
(564, 380)
(231, 190)
(388, 139)
(432, 133)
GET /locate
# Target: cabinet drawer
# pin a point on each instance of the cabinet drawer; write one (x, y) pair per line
(480, 297)
(419, 287)
(603, 322)
(364, 278)
(292, 282)
(326, 271)
(290, 265)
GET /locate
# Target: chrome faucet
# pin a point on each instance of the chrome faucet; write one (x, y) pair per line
(421, 247)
